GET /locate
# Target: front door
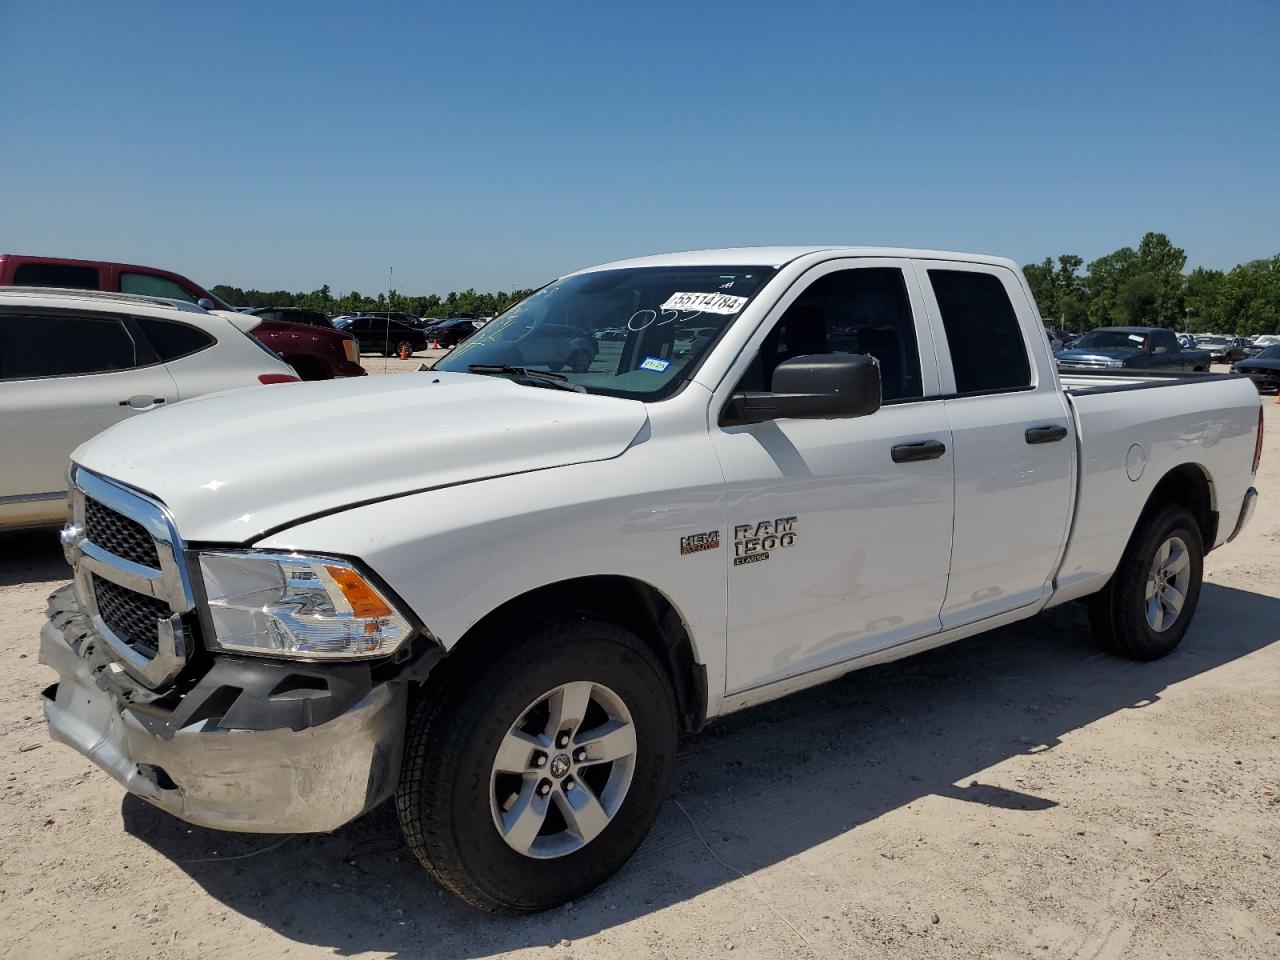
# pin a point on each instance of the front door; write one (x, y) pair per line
(840, 530)
(65, 377)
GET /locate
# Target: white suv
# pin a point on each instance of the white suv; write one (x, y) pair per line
(74, 362)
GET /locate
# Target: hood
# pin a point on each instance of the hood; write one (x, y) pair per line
(235, 464)
(1258, 363)
(1097, 353)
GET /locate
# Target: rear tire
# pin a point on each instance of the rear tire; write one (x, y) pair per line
(1146, 608)
(455, 803)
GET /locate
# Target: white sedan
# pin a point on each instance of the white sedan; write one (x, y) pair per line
(74, 362)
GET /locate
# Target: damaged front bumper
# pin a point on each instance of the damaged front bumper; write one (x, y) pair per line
(253, 746)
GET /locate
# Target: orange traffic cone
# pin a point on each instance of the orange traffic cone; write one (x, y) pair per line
(404, 351)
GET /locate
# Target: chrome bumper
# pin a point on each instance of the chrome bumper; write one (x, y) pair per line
(261, 781)
(1246, 512)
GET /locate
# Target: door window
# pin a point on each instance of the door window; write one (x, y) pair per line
(44, 345)
(151, 286)
(987, 350)
(860, 311)
(172, 340)
(56, 275)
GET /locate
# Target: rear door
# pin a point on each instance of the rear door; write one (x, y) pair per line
(64, 377)
(1014, 450)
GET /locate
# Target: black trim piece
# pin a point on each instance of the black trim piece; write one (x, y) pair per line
(1050, 433)
(913, 452)
(33, 497)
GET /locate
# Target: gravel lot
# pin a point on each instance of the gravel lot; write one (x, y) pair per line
(1016, 795)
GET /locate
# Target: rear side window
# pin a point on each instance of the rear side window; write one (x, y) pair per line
(172, 340)
(987, 350)
(56, 275)
(47, 345)
(150, 286)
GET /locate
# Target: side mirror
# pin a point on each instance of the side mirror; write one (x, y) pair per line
(205, 303)
(824, 386)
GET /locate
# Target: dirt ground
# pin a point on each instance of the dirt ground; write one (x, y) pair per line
(1016, 795)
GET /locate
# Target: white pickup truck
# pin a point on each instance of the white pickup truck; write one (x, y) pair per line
(497, 592)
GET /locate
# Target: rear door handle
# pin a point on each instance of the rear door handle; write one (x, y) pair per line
(911, 452)
(1049, 434)
(143, 402)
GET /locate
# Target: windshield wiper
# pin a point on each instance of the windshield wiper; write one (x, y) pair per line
(541, 378)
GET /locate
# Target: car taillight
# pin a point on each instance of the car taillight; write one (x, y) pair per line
(277, 378)
(1257, 449)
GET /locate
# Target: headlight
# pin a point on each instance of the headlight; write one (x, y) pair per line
(291, 605)
(351, 347)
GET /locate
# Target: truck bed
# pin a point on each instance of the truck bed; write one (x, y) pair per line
(1132, 429)
(1078, 383)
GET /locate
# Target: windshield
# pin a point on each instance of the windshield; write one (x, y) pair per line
(1271, 353)
(1216, 341)
(1109, 340)
(637, 332)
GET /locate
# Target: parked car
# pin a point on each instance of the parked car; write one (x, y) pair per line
(1222, 349)
(450, 333)
(315, 356)
(1263, 369)
(311, 318)
(1132, 348)
(505, 623)
(308, 342)
(382, 334)
(1259, 343)
(73, 363)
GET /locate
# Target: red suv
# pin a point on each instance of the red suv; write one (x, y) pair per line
(316, 352)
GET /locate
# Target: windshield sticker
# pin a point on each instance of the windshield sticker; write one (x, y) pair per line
(1136, 338)
(752, 542)
(656, 364)
(725, 303)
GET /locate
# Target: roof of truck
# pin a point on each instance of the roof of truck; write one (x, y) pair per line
(777, 256)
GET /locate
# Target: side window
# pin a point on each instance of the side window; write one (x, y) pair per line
(56, 275)
(864, 311)
(150, 286)
(987, 350)
(47, 345)
(171, 339)
(1165, 341)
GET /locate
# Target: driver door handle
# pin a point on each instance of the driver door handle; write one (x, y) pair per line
(143, 402)
(924, 450)
(1050, 434)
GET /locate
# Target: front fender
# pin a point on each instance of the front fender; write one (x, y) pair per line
(456, 554)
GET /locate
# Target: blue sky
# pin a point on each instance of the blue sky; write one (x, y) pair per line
(275, 144)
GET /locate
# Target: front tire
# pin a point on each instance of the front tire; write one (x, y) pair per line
(534, 772)
(1146, 608)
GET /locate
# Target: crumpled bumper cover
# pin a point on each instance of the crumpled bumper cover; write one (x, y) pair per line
(279, 780)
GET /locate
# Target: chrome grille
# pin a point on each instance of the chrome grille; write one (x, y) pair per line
(131, 616)
(130, 576)
(117, 534)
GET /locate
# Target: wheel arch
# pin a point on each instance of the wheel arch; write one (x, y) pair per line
(626, 600)
(1189, 485)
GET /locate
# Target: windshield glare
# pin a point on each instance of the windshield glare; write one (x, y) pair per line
(636, 332)
(1109, 339)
